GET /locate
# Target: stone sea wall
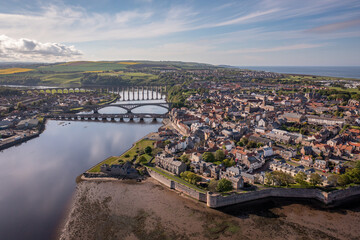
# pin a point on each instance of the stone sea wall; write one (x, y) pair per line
(215, 200)
(178, 186)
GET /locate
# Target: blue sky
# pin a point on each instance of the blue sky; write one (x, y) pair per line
(238, 33)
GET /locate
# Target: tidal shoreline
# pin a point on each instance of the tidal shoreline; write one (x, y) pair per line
(148, 210)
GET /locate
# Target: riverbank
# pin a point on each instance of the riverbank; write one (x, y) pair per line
(147, 210)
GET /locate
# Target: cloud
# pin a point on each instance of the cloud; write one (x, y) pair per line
(333, 27)
(27, 49)
(278, 49)
(251, 16)
(75, 24)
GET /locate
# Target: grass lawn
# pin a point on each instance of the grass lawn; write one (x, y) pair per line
(110, 160)
(175, 178)
(139, 146)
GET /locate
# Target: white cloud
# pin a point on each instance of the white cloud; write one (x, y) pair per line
(69, 24)
(251, 16)
(27, 49)
(277, 49)
(333, 27)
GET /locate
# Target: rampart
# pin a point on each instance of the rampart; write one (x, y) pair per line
(177, 186)
(335, 197)
(215, 200)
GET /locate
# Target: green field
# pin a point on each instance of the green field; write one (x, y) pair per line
(83, 67)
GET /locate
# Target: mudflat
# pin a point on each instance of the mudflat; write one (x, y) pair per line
(148, 210)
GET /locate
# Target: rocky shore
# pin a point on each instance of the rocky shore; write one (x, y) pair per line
(148, 210)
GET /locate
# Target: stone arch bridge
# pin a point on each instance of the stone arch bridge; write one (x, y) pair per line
(127, 93)
(107, 117)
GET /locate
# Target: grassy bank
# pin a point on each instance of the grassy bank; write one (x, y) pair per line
(129, 155)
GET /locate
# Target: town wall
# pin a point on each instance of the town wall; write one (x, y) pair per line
(216, 200)
(178, 186)
(190, 192)
(341, 195)
(160, 178)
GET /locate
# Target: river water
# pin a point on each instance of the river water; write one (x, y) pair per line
(38, 177)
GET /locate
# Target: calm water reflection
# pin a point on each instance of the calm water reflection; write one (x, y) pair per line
(38, 177)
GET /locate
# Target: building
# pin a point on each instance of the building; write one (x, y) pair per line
(27, 123)
(313, 119)
(294, 117)
(119, 170)
(233, 175)
(168, 163)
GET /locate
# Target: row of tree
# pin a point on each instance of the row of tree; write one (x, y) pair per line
(277, 178)
(218, 158)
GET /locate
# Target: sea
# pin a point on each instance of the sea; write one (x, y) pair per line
(337, 71)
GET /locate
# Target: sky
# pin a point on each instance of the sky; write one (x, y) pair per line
(237, 33)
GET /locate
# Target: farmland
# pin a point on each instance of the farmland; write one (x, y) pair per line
(14, 70)
(85, 73)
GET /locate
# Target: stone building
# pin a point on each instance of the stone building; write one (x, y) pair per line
(168, 163)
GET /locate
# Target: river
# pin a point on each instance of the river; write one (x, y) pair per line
(38, 177)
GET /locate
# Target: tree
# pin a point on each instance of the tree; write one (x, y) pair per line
(190, 177)
(357, 164)
(315, 179)
(166, 142)
(301, 178)
(141, 159)
(184, 158)
(229, 163)
(333, 180)
(148, 150)
(354, 175)
(285, 179)
(259, 145)
(343, 180)
(212, 185)
(224, 185)
(208, 157)
(251, 144)
(269, 178)
(219, 155)
(240, 143)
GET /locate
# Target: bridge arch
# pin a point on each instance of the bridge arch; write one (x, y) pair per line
(130, 107)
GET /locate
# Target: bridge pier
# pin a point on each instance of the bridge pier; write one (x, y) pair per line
(133, 93)
(138, 93)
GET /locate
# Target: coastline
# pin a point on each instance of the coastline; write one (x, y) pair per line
(124, 209)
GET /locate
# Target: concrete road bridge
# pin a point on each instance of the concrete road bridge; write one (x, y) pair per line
(129, 106)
